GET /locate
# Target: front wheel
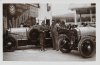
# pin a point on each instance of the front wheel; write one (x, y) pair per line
(9, 44)
(87, 47)
(64, 44)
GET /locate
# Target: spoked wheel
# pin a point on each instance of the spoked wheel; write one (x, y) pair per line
(64, 45)
(9, 44)
(87, 47)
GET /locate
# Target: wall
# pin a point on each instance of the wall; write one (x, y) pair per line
(43, 14)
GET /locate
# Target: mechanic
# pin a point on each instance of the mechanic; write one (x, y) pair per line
(42, 36)
(52, 32)
(55, 30)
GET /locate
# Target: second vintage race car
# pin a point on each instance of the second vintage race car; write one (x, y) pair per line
(82, 39)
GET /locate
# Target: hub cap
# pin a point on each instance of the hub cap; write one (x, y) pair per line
(65, 44)
(87, 47)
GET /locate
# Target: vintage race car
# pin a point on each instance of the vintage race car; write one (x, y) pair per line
(22, 36)
(82, 39)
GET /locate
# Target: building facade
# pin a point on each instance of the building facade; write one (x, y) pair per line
(44, 13)
(81, 13)
(27, 14)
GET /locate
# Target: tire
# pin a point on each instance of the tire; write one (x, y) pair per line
(9, 44)
(87, 47)
(33, 36)
(64, 44)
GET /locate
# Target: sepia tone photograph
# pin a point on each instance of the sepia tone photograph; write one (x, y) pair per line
(49, 32)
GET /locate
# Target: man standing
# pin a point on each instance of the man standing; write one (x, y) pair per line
(56, 27)
(53, 36)
(42, 36)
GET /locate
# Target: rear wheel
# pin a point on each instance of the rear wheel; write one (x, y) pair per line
(87, 47)
(64, 44)
(9, 44)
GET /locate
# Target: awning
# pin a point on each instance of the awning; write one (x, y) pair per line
(84, 9)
